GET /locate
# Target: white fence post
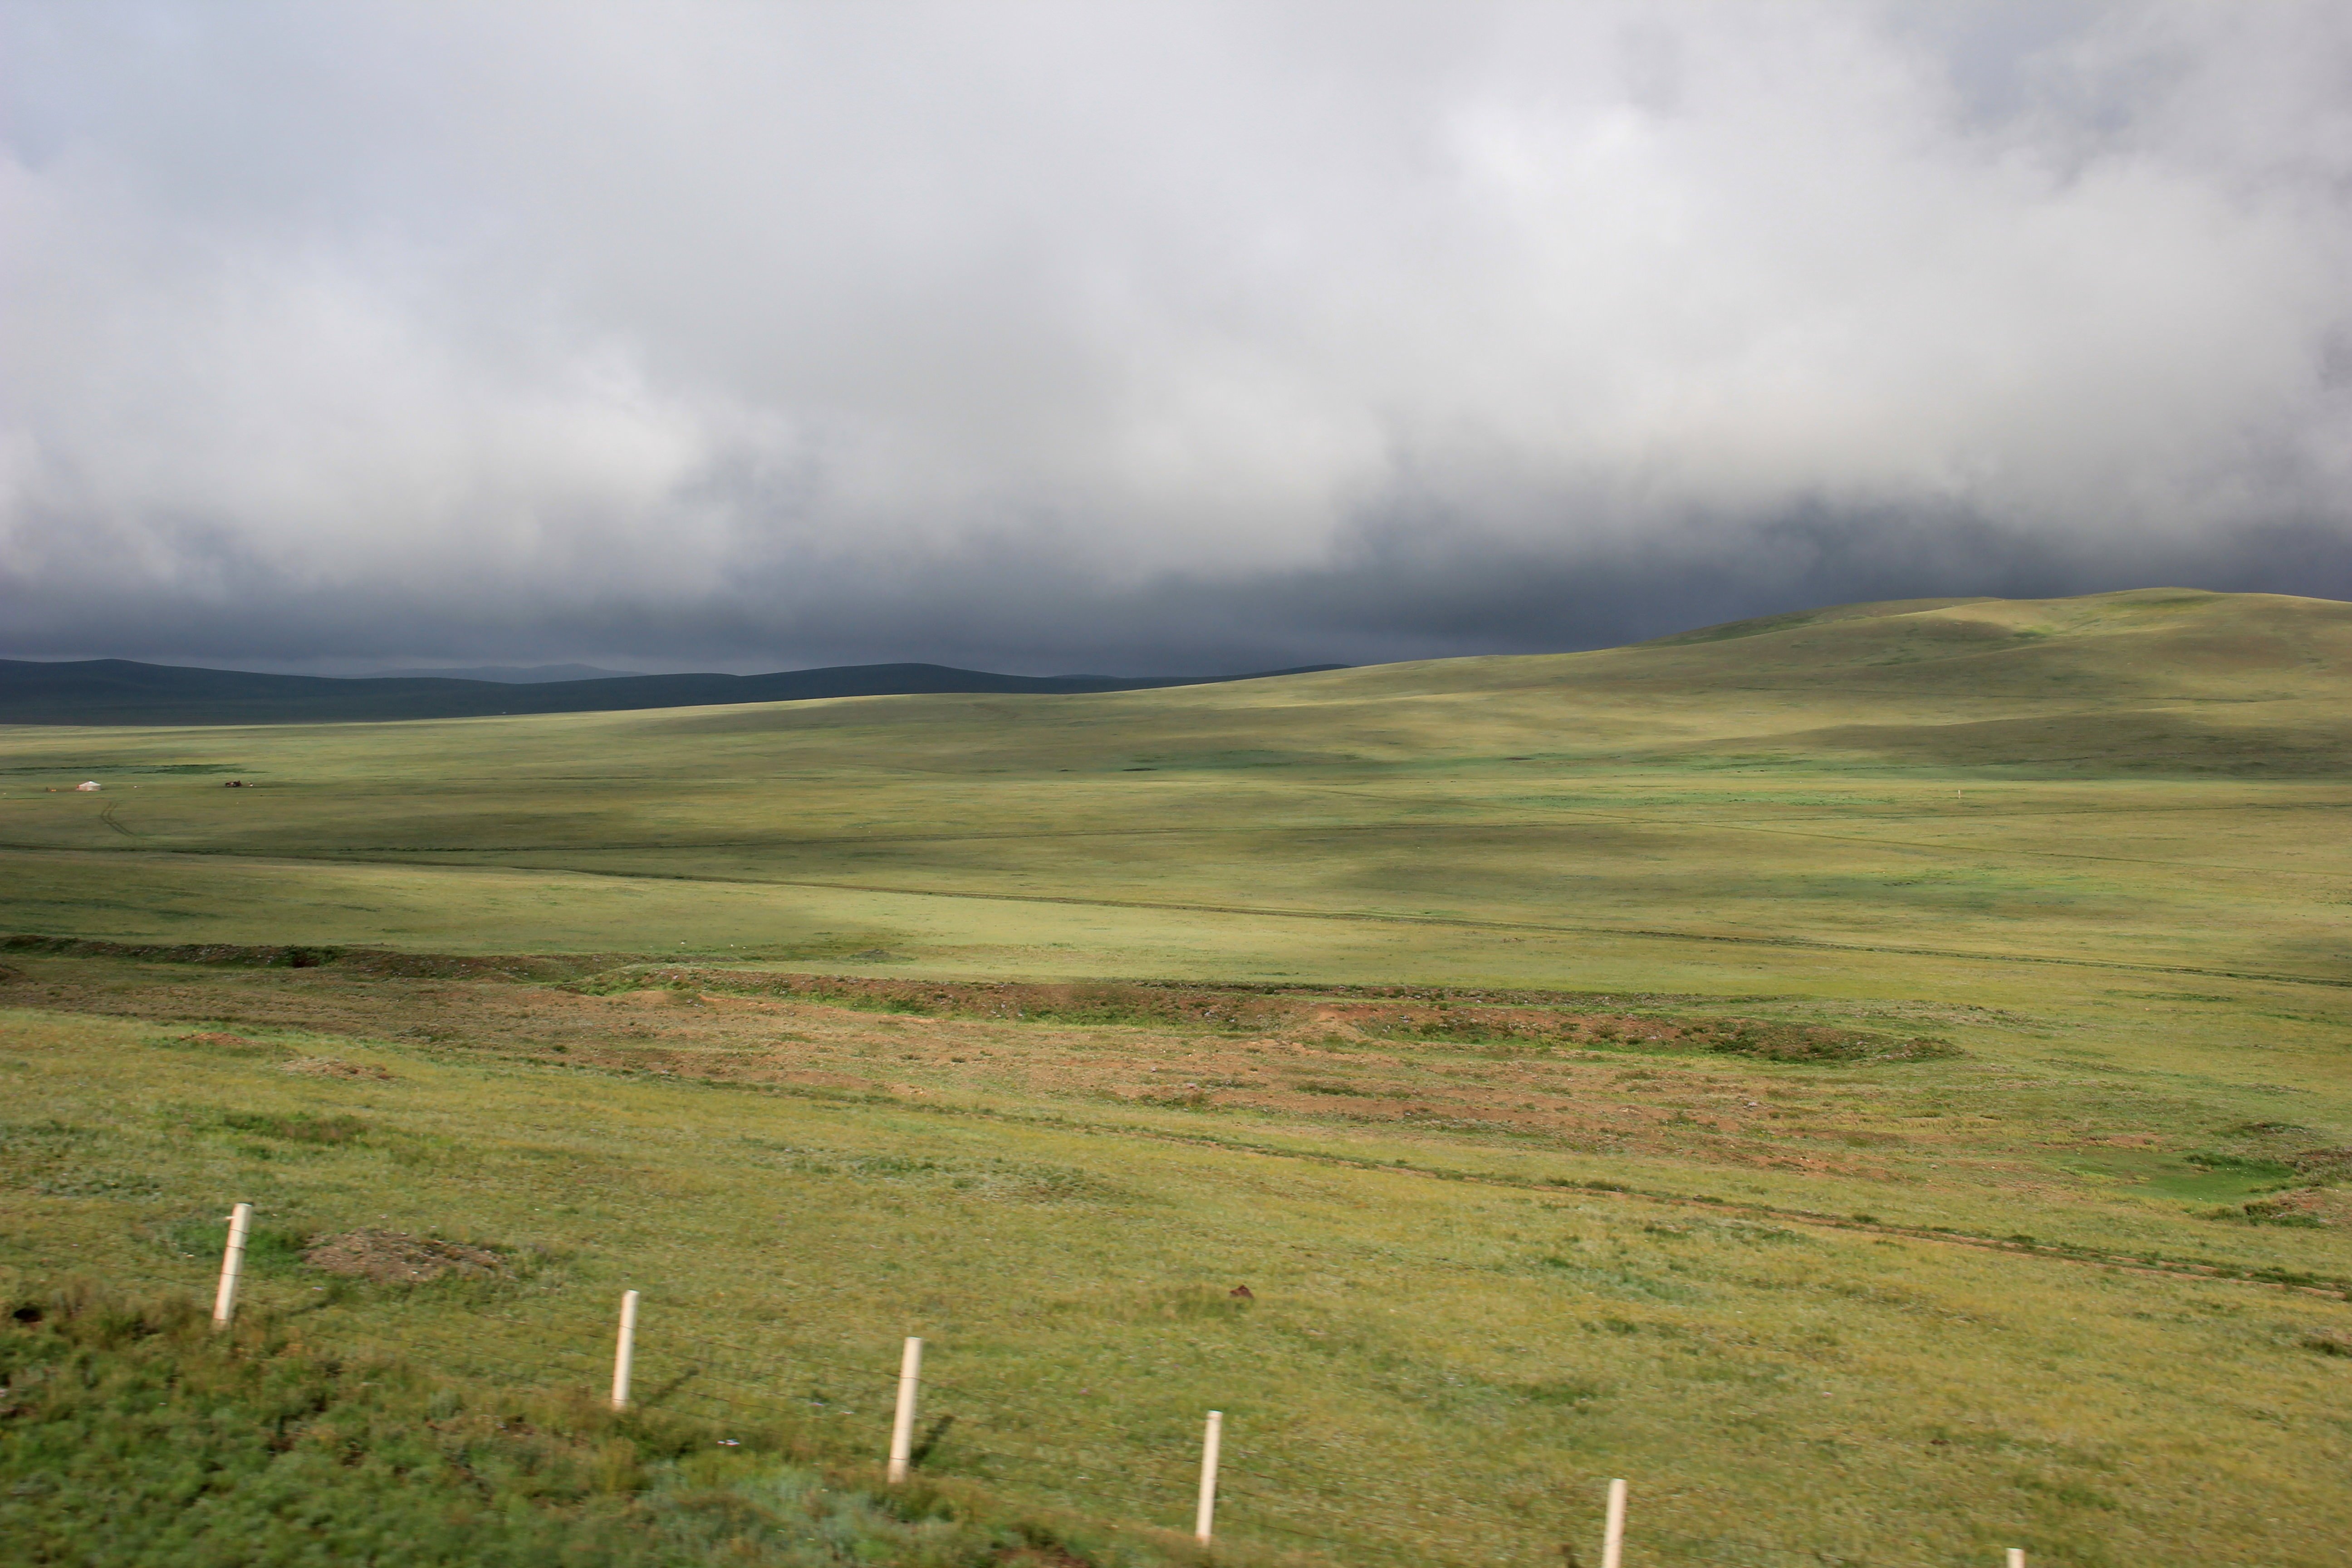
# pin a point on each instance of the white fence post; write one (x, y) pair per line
(2016, 1557)
(902, 1426)
(624, 1350)
(1205, 1516)
(240, 1221)
(1612, 1538)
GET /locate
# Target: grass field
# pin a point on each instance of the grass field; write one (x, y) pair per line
(1540, 1039)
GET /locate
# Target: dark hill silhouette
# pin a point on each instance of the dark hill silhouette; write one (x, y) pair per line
(122, 691)
(511, 674)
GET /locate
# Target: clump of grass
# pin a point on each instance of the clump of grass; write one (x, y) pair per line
(1348, 1091)
(1191, 1304)
(138, 1435)
(2323, 1166)
(220, 1043)
(1815, 1043)
(2239, 1164)
(269, 1249)
(2283, 1210)
(296, 1127)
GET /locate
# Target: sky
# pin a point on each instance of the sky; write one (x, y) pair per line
(1133, 338)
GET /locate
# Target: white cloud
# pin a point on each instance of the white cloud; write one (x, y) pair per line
(562, 316)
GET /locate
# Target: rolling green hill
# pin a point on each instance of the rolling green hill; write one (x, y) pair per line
(1876, 1079)
(2162, 679)
(2155, 777)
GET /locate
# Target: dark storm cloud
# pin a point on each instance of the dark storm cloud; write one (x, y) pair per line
(1053, 337)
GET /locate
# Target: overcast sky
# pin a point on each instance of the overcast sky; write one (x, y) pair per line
(1125, 337)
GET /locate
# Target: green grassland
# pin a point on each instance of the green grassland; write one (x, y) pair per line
(1436, 1003)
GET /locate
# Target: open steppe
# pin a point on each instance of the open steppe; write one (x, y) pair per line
(1881, 1080)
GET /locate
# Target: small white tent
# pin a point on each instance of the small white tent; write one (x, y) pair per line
(87, 784)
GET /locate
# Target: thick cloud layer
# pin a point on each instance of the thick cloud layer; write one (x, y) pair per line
(1062, 336)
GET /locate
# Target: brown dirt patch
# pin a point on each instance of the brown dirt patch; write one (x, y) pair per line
(1040, 1557)
(327, 1067)
(1581, 1090)
(1393, 1014)
(2323, 1165)
(2304, 1205)
(389, 1257)
(825, 1079)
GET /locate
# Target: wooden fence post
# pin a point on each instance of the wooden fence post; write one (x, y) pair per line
(1612, 1537)
(624, 1350)
(240, 1222)
(1205, 1517)
(902, 1426)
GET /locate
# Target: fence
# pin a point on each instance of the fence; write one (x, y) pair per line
(701, 1391)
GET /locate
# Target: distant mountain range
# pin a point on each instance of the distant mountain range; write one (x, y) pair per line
(512, 674)
(121, 691)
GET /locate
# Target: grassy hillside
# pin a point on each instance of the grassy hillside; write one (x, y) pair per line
(1876, 1079)
(2150, 779)
(1789, 1299)
(138, 1435)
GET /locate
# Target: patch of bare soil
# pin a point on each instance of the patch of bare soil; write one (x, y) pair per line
(2322, 1166)
(390, 1257)
(327, 1067)
(2304, 1206)
(221, 1043)
(1332, 1059)
(1370, 1013)
(1607, 1085)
